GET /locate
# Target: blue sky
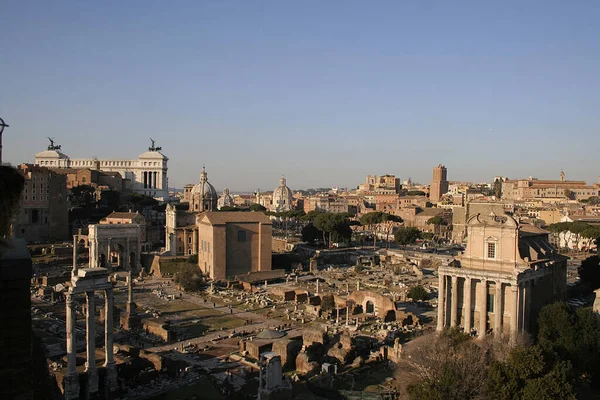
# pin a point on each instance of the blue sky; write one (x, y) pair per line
(324, 92)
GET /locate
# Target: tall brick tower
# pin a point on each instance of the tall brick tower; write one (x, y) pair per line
(439, 184)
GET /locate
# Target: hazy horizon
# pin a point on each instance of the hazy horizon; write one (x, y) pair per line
(323, 93)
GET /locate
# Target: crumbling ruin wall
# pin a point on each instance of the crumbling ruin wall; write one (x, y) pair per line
(288, 351)
(382, 304)
(158, 327)
(313, 335)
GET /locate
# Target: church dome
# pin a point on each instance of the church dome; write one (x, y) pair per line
(226, 200)
(203, 195)
(282, 197)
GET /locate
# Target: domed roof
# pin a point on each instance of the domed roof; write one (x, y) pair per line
(51, 154)
(282, 191)
(204, 188)
(226, 200)
(270, 334)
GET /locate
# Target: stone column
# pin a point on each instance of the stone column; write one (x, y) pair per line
(109, 363)
(75, 255)
(194, 242)
(482, 305)
(441, 321)
(71, 384)
(467, 305)
(514, 311)
(90, 366)
(498, 309)
(527, 305)
(454, 301)
(185, 242)
(108, 257)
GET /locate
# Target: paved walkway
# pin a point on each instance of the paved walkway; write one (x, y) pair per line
(259, 321)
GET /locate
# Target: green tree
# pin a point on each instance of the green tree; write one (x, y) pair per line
(83, 196)
(385, 220)
(336, 226)
(438, 221)
(257, 207)
(310, 233)
(138, 202)
(498, 189)
(229, 209)
(569, 194)
(404, 235)
(189, 277)
(589, 273)
(522, 374)
(416, 193)
(193, 259)
(572, 336)
(418, 293)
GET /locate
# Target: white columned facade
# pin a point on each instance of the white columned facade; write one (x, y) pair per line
(109, 362)
(467, 305)
(498, 313)
(441, 302)
(482, 305)
(91, 370)
(454, 301)
(71, 384)
(514, 315)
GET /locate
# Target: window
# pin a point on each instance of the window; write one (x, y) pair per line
(490, 303)
(491, 250)
(33, 198)
(241, 236)
(189, 240)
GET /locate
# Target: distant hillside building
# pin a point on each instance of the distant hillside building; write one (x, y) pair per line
(439, 184)
(146, 175)
(562, 189)
(43, 215)
(384, 184)
(507, 273)
(233, 243)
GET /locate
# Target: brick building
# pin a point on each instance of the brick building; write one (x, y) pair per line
(43, 215)
(233, 243)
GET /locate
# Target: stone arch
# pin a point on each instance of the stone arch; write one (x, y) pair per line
(102, 260)
(369, 307)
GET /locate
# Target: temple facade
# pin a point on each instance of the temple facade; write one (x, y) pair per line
(507, 273)
(145, 175)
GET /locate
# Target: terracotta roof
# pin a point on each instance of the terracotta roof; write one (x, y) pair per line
(123, 215)
(223, 217)
(432, 212)
(527, 229)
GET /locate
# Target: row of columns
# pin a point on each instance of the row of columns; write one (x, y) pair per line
(72, 378)
(152, 180)
(519, 306)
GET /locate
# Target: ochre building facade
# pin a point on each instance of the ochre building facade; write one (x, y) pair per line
(507, 273)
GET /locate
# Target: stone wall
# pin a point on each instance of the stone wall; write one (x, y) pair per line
(15, 322)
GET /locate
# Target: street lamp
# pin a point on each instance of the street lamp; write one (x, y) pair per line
(2, 126)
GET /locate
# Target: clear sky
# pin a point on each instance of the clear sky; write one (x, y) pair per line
(324, 92)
